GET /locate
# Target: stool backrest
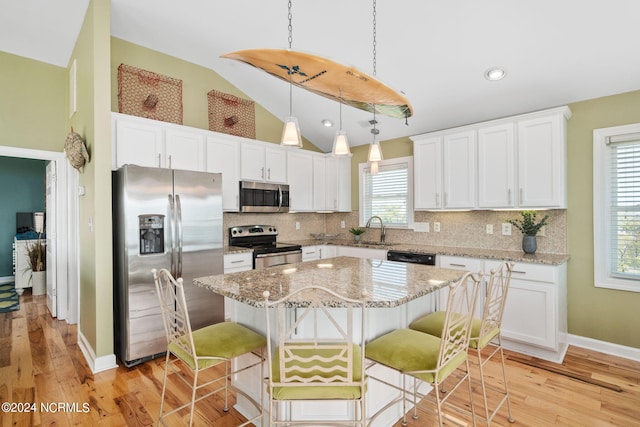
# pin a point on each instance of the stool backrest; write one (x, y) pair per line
(456, 331)
(175, 315)
(496, 297)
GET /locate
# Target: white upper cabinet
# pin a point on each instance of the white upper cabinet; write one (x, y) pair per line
(300, 174)
(427, 173)
(137, 141)
(319, 184)
(261, 161)
(338, 183)
(517, 162)
(445, 171)
(542, 156)
(223, 155)
(184, 149)
(496, 165)
(459, 170)
(151, 143)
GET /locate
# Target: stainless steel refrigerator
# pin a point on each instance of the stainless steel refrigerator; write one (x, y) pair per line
(163, 218)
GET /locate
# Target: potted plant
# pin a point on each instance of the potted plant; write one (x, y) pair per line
(357, 232)
(37, 257)
(529, 227)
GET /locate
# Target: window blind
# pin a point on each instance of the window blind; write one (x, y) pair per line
(624, 206)
(386, 194)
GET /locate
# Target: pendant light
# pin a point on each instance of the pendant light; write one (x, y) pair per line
(375, 151)
(291, 130)
(341, 142)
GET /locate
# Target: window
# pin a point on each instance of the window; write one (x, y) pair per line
(388, 193)
(616, 207)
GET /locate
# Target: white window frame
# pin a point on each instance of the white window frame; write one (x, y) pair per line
(602, 211)
(366, 168)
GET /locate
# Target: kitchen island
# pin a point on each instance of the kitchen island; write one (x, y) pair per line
(395, 294)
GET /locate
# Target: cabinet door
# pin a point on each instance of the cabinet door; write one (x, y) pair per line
(252, 162)
(310, 253)
(300, 173)
(319, 184)
(427, 173)
(224, 156)
(459, 170)
(362, 252)
(496, 160)
(184, 149)
(275, 164)
(328, 251)
(331, 183)
(541, 162)
(338, 183)
(138, 143)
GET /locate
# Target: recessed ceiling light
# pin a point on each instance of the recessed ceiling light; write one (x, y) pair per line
(495, 73)
(327, 123)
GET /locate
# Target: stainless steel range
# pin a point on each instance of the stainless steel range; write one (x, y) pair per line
(267, 252)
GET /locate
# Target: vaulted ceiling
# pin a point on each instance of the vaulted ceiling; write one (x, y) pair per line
(434, 52)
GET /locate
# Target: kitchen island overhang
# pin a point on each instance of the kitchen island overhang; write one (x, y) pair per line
(382, 284)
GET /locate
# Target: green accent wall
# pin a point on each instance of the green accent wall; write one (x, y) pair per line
(602, 314)
(22, 189)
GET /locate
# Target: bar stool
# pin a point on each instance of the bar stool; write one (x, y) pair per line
(318, 354)
(202, 349)
(484, 331)
(429, 358)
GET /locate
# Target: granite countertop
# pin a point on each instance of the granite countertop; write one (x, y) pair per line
(515, 256)
(384, 283)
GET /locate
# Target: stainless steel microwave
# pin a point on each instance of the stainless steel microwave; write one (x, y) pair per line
(263, 197)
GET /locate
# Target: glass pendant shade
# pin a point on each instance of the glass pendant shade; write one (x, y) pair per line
(291, 133)
(341, 144)
(374, 168)
(375, 152)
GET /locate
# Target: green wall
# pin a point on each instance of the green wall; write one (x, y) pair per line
(22, 189)
(598, 313)
(32, 104)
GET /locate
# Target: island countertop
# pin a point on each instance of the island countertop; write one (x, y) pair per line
(381, 283)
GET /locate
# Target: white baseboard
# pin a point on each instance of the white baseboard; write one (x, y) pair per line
(97, 364)
(604, 347)
(7, 279)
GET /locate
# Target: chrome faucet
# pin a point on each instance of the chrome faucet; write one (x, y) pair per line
(382, 229)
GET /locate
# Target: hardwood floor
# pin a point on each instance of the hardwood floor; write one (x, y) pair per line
(41, 364)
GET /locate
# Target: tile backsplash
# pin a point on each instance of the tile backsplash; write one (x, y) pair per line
(458, 229)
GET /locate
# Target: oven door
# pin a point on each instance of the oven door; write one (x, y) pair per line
(279, 258)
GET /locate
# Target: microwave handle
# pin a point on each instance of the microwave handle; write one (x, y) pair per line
(279, 197)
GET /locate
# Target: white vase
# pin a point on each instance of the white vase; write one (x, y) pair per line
(38, 282)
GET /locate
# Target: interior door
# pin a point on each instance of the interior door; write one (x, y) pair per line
(50, 228)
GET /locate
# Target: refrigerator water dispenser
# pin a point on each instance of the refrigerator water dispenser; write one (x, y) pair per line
(151, 234)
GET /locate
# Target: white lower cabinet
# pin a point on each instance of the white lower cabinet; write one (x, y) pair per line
(473, 265)
(535, 315)
(234, 263)
(355, 252)
(310, 253)
(328, 251)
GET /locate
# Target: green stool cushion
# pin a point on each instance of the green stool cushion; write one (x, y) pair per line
(407, 350)
(321, 391)
(224, 340)
(434, 323)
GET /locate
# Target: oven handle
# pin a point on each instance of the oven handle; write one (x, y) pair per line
(299, 251)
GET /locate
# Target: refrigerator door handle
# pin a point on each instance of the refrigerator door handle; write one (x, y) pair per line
(179, 229)
(172, 216)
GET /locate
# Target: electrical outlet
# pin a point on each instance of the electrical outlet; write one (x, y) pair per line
(342, 224)
(297, 225)
(489, 228)
(436, 227)
(506, 229)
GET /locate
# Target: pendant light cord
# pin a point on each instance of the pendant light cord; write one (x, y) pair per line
(374, 132)
(290, 16)
(290, 71)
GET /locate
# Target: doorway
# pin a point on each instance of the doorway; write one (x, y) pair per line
(62, 183)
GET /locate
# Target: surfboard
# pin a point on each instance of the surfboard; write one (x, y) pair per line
(328, 78)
